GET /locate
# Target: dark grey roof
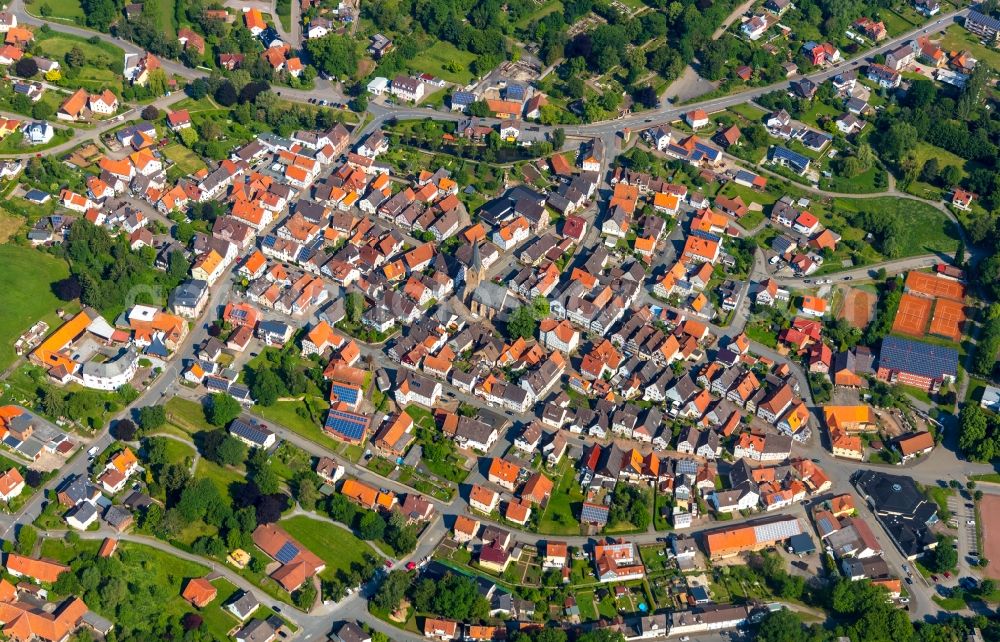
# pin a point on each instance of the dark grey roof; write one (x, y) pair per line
(914, 357)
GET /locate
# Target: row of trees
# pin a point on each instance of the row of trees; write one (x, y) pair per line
(455, 597)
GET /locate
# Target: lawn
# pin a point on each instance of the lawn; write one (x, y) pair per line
(194, 105)
(55, 44)
(164, 17)
(29, 272)
(561, 515)
(751, 113)
(14, 143)
(863, 183)
(65, 10)
(925, 151)
(940, 497)
(585, 600)
(186, 415)
(927, 229)
(286, 413)
(10, 223)
(222, 477)
(446, 61)
(538, 14)
(284, 11)
(334, 545)
(956, 38)
(178, 452)
(185, 159)
(762, 335)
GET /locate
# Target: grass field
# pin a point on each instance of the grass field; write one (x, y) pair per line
(334, 545)
(927, 229)
(177, 451)
(956, 38)
(9, 225)
(184, 158)
(186, 415)
(446, 61)
(284, 9)
(222, 477)
(66, 10)
(55, 44)
(751, 113)
(925, 151)
(538, 14)
(863, 183)
(194, 105)
(27, 271)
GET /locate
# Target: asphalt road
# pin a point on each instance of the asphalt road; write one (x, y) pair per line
(942, 464)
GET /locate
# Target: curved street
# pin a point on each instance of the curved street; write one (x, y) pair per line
(942, 465)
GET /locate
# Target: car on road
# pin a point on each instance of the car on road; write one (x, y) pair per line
(92, 452)
(411, 565)
(934, 577)
(388, 563)
(909, 580)
(806, 280)
(970, 522)
(904, 600)
(848, 278)
(947, 574)
(906, 569)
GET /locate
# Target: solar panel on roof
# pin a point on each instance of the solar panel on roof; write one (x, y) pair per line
(349, 425)
(776, 531)
(286, 553)
(215, 383)
(347, 394)
(591, 513)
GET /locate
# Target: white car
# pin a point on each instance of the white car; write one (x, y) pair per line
(970, 522)
(904, 600)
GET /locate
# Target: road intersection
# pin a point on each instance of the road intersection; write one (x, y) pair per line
(941, 466)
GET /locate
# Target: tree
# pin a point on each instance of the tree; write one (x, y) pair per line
(267, 480)
(265, 387)
(226, 95)
(99, 14)
(371, 526)
(150, 112)
(522, 323)
(26, 67)
(222, 409)
(945, 557)
(781, 626)
(27, 536)
(334, 55)
(152, 417)
(231, 451)
(392, 590)
(125, 430)
(305, 597)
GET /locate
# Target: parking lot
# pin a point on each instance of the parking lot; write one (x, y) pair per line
(964, 515)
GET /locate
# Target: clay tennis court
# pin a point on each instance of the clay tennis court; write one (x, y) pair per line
(858, 307)
(913, 314)
(989, 526)
(949, 317)
(934, 286)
